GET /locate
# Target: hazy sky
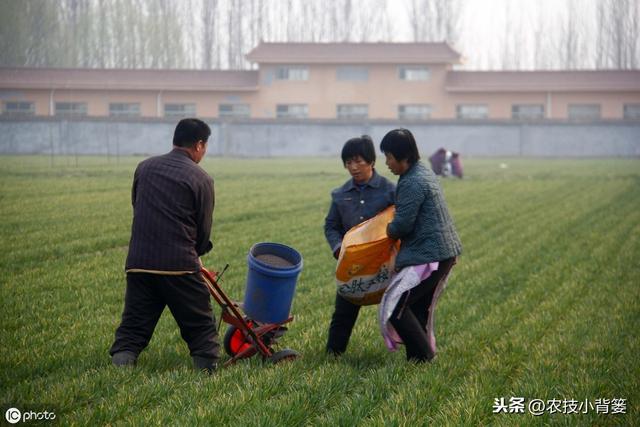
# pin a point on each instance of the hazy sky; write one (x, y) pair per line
(484, 23)
(492, 34)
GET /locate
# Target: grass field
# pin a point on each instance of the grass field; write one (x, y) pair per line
(543, 304)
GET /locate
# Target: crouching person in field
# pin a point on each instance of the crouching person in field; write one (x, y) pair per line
(173, 203)
(362, 197)
(429, 246)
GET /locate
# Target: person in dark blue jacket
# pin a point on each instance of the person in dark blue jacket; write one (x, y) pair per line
(362, 197)
(427, 235)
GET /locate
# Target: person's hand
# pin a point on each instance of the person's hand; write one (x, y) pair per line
(389, 234)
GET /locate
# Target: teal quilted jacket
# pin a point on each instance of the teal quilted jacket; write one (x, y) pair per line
(422, 220)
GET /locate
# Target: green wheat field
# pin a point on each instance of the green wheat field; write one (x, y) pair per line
(544, 303)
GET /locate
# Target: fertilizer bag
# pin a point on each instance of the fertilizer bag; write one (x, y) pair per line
(367, 257)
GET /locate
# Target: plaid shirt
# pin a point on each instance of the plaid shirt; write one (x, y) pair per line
(173, 201)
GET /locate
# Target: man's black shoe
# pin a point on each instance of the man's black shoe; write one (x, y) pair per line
(124, 358)
(206, 364)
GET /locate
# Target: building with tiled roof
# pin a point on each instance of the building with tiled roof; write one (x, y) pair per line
(343, 81)
(350, 53)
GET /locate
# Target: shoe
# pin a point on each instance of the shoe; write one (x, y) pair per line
(426, 358)
(334, 352)
(124, 358)
(206, 364)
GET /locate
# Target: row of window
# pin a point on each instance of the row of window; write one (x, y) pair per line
(119, 109)
(352, 73)
(536, 111)
(343, 111)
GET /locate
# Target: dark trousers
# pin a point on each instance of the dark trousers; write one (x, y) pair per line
(414, 316)
(188, 299)
(342, 321)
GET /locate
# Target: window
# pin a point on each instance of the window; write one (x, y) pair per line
(179, 110)
(527, 112)
(352, 73)
(121, 109)
(352, 111)
(413, 72)
(234, 110)
(414, 111)
(298, 111)
(472, 111)
(583, 111)
(71, 108)
(292, 73)
(632, 111)
(19, 108)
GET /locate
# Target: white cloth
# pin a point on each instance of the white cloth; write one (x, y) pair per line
(406, 279)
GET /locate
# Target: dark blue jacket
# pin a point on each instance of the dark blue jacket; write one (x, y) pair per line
(422, 221)
(351, 205)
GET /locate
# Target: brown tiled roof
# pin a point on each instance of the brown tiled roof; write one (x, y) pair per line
(119, 79)
(536, 81)
(353, 53)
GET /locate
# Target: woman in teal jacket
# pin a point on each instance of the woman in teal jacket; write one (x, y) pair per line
(428, 241)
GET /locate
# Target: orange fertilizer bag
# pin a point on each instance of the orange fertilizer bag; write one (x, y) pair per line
(367, 258)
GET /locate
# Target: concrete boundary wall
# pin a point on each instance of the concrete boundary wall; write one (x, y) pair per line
(275, 138)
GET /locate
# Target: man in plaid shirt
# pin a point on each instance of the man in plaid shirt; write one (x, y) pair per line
(173, 200)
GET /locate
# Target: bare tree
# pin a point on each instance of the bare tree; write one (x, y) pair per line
(209, 33)
(569, 37)
(544, 45)
(418, 14)
(618, 34)
(514, 40)
(347, 14)
(434, 20)
(341, 20)
(38, 26)
(447, 13)
(370, 21)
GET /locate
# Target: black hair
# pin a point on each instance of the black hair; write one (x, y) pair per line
(190, 131)
(362, 146)
(402, 144)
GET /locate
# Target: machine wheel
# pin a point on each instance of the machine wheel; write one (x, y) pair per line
(235, 340)
(283, 355)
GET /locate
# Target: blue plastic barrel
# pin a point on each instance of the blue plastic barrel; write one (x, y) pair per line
(271, 282)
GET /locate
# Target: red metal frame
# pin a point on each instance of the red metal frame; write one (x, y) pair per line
(232, 315)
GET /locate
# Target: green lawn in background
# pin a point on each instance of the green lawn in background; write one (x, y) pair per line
(543, 304)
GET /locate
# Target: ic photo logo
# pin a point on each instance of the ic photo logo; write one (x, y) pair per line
(14, 416)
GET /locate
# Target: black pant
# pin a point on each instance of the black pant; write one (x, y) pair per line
(188, 299)
(342, 321)
(411, 316)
